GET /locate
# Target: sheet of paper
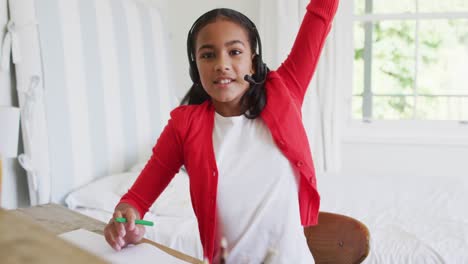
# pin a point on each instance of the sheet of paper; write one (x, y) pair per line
(97, 245)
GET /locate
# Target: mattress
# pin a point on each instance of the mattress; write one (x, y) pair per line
(411, 219)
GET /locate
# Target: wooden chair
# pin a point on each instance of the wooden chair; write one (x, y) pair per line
(338, 239)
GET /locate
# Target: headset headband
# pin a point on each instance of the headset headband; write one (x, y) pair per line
(195, 24)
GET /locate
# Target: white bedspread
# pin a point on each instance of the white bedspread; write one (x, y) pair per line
(411, 220)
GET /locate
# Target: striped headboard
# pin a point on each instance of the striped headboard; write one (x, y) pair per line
(93, 87)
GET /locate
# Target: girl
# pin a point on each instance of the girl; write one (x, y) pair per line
(242, 142)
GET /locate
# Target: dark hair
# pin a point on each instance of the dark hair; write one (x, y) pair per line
(254, 100)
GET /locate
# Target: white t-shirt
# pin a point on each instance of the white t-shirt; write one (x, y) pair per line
(258, 205)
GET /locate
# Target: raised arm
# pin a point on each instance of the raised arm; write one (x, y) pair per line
(298, 68)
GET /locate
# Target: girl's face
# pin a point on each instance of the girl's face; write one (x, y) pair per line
(223, 58)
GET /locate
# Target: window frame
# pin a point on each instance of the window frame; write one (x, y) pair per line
(433, 132)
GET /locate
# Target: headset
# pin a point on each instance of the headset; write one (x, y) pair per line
(260, 67)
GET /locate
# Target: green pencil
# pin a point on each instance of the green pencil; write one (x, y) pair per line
(138, 222)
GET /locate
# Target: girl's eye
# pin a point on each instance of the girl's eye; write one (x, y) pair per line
(207, 55)
(235, 52)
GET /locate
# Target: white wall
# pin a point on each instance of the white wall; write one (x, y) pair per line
(14, 186)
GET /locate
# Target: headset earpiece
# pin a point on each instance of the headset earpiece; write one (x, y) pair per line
(193, 71)
(260, 68)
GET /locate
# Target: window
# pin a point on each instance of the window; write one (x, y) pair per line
(410, 60)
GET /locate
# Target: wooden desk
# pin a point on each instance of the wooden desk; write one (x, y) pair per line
(32, 232)
(23, 241)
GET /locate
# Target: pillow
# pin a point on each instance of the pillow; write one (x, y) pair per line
(140, 166)
(137, 167)
(173, 201)
(100, 194)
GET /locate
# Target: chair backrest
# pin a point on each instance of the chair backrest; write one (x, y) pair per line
(338, 239)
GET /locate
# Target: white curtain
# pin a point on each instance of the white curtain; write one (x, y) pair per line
(279, 24)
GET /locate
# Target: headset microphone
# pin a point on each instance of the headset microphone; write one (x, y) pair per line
(251, 80)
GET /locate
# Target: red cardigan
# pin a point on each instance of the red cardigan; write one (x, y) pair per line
(187, 138)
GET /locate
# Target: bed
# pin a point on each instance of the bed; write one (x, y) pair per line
(410, 220)
(94, 91)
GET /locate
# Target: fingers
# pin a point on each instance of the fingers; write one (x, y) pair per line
(135, 235)
(140, 230)
(117, 242)
(115, 232)
(119, 226)
(131, 217)
(118, 235)
(112, 236)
